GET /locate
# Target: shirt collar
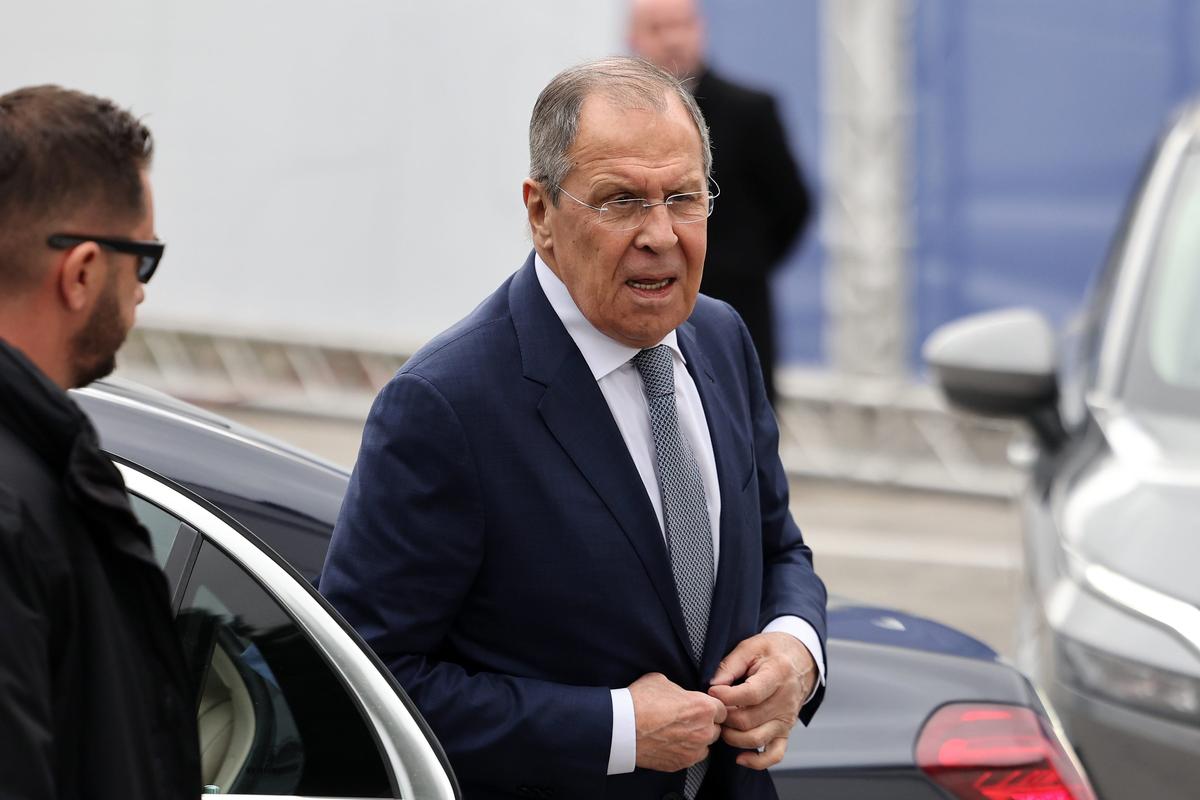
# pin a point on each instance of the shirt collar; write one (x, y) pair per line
(603, 354)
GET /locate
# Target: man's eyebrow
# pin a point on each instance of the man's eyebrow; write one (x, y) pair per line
(612, 183)
(689, 186)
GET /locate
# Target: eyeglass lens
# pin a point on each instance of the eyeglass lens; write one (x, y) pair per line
(683, 208)
(146, 267)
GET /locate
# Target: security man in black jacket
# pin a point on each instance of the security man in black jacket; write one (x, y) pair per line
(95, 699)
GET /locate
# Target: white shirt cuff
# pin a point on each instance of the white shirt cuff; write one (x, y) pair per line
(808, 637)
(622, 753)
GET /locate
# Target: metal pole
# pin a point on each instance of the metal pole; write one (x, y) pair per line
(866, 118)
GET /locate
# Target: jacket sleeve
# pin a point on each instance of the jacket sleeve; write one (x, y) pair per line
(790, 585)
(26, 708)
(779, 183)
(409, 541)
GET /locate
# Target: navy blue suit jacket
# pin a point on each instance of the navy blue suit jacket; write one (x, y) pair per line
(497, 548)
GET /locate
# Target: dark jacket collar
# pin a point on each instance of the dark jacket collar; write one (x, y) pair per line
(543, 340)
(42, 415)
(36, 410)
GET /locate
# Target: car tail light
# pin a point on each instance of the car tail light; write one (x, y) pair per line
(998, 752)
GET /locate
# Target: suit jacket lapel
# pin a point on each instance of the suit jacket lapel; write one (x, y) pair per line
(577, 415)
(717, 413)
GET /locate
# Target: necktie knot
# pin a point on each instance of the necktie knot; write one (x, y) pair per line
(657, 369)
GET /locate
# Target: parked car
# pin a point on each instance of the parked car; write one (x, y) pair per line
(1110, 623)
(293, 703)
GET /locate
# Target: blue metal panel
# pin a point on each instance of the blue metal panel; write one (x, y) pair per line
(775, 46)
(1031, 120)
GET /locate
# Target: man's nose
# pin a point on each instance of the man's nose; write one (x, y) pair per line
(141, 293)
(657, 231)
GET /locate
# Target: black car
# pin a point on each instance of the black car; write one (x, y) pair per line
(1110, 623)
(292, 702)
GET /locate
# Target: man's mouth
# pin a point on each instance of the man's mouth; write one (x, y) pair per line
(650, 286)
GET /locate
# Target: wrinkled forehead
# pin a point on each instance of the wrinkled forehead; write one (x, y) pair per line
(622, 128)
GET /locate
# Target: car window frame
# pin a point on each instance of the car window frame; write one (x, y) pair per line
(185, 547)
(1141, 378)
(1137, 261)
(417, 766)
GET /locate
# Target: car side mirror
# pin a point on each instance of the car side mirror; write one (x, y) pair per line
(1000, 364)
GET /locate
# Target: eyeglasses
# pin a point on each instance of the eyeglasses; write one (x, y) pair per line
(629, 213)
(148, 253)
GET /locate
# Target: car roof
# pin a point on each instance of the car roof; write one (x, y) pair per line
(287, 497)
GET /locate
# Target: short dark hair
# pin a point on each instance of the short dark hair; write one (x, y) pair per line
(63, 152)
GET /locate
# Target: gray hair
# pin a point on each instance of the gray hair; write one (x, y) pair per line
(630, 82)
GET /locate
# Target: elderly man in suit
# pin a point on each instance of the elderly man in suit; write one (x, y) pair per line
(766, 206)
(567, 533)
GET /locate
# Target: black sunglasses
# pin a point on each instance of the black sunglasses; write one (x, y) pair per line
(148, 253)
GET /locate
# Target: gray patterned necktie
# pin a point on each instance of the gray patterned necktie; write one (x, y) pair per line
(685, 512)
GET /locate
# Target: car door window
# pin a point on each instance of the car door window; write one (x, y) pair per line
(175, 543)
(273, 716)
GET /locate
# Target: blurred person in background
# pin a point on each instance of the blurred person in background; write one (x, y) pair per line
(95, 699)
(765, 205)
(567, 532)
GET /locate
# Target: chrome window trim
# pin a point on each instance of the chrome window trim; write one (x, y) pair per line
(416, 766)
(1136, 260)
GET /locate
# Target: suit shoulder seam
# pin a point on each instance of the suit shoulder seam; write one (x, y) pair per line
(474, 330)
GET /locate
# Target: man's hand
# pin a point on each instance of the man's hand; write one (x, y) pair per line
(779, 675)
(674, 726)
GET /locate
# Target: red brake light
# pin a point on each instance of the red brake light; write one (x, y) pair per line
(998, 752)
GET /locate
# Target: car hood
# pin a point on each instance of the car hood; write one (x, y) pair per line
(1136, 508)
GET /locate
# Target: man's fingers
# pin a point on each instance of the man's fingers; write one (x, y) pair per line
(749, 717)
(768, 758)
(754, 738)
(674, 727)
(756, 689)
(720, 712)
(735, 665)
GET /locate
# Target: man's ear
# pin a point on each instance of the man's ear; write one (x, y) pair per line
(80, 276)
(537, 207)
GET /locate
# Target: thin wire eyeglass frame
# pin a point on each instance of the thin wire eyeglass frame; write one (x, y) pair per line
(645, 207)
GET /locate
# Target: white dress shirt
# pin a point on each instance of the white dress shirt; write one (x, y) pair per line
(621, 385)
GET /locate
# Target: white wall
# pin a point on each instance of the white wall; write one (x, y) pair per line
(342, 172)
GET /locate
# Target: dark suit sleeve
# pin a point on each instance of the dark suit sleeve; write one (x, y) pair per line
(26, 710)
(409, 542)
(790, 585)
(786, 204)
